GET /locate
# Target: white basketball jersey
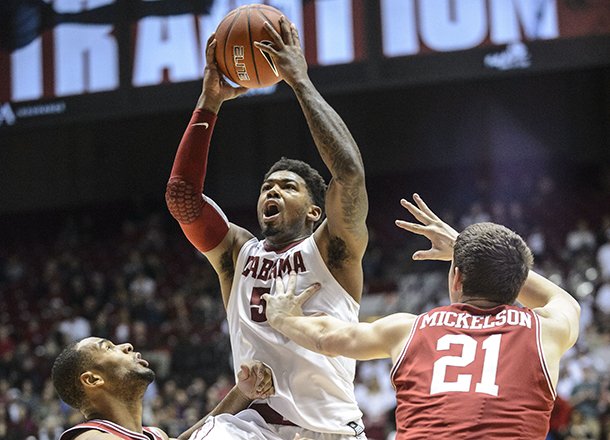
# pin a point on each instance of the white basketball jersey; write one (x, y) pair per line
(311, 390)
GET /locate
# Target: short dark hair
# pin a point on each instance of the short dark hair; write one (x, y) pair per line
(314, 181)
(494, 261)
(67, 368)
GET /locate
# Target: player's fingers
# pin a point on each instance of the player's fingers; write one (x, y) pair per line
(286, 33)
(295, 34)
(244, 372)
(422, 205)
(430, 254)
(279, 286)
(292, 283)
(308, 293)
(265, 296)
(210, 49)
(277, 39)
(267, 48)
(257, 370)
(413, 227)
(264, 386)
(416, 212)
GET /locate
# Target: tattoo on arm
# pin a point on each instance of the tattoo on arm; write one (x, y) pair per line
(332, 137)
(339, 152)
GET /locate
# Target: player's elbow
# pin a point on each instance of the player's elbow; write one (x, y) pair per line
(352, 173)
(183, 201)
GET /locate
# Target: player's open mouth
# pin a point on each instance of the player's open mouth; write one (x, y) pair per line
(271, 212)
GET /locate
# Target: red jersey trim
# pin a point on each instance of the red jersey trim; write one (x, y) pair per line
(205, 429)
(404, 351)
(545, 369)
(110, 428)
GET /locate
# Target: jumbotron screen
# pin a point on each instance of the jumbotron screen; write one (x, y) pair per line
(71, 60)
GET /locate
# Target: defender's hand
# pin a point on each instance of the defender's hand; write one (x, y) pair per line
(441, 235)
(255, 380)
(286, 52)
(216, 90)
(285, 302)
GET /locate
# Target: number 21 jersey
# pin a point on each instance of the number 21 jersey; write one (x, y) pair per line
(468, 373)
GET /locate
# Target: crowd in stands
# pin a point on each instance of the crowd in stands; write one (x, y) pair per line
(127, 273)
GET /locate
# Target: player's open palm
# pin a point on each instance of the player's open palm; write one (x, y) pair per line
(441, 235)
(286, 302)
(285, 51)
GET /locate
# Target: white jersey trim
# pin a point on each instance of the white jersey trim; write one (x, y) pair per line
(543, 363)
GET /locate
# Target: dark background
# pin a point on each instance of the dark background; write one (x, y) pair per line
(502, 129)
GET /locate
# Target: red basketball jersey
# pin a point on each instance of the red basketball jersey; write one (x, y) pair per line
(469, 373)
(111, 428)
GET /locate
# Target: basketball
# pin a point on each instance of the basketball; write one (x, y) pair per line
(237, 57)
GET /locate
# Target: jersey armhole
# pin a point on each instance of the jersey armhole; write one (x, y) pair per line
(238, 263)
(543, 364)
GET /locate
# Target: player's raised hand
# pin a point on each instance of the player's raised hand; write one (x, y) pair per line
(286, 302)
(216, 89)
(441, 235)
(255, 380)
(286, 52)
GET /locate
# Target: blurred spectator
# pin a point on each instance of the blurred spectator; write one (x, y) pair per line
(581, 238)
(603, 257)
(585, 404)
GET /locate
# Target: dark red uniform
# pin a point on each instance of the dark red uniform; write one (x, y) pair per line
(111, 428)
(469, 373)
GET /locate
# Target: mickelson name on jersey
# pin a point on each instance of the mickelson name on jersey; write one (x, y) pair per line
(468, 321)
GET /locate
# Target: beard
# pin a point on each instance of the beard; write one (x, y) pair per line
(270, 231)
(131, 386)
(147, 376)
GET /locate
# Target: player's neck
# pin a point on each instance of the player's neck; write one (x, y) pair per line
(271, 243)
(481, 303)
(126, 414)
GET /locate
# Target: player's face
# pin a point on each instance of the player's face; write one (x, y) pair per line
(283, 205)
(117, 361)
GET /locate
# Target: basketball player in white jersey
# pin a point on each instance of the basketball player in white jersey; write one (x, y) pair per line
(314, 393)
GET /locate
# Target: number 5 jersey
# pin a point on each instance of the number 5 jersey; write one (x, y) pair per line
(313, 391)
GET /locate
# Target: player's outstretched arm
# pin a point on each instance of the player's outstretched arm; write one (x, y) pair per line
(201, 220)
(254, 381)
(561, 312)
(346, 199)
(330, 336)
